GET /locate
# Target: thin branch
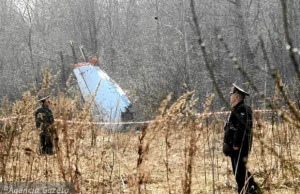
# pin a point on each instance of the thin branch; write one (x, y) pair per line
(238, 67)
(288, 38)
(277, 78)
(231, 1)
(204, 52)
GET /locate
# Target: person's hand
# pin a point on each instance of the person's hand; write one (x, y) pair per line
(235, 147)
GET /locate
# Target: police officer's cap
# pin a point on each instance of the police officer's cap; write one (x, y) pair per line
(43, 98)
(240, 90)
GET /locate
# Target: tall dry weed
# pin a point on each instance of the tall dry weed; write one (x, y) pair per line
(178, 152)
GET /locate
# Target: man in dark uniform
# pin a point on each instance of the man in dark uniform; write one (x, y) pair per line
(238, 140)
(44, 120)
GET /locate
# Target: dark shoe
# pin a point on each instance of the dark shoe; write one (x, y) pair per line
(49, 151)
(42, 151)
(255, 189)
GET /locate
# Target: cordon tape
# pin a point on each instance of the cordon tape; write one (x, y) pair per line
(133, 122)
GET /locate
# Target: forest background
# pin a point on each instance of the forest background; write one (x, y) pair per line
(149, 47)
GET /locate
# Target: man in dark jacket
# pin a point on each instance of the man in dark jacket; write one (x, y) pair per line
(44, 120)
(238, 140)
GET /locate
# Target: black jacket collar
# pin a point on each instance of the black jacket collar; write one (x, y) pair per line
(45, 106)
(238, 104)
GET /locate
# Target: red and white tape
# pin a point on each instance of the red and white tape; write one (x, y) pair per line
(102, 123)
(132, 122)
(228, 112)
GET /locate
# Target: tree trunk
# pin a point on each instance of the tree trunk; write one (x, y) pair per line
(186, 48)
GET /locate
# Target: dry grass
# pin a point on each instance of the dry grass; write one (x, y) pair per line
(179, 152)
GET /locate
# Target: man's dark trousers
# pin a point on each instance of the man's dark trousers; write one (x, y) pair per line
(239, 169)
(46, 142)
